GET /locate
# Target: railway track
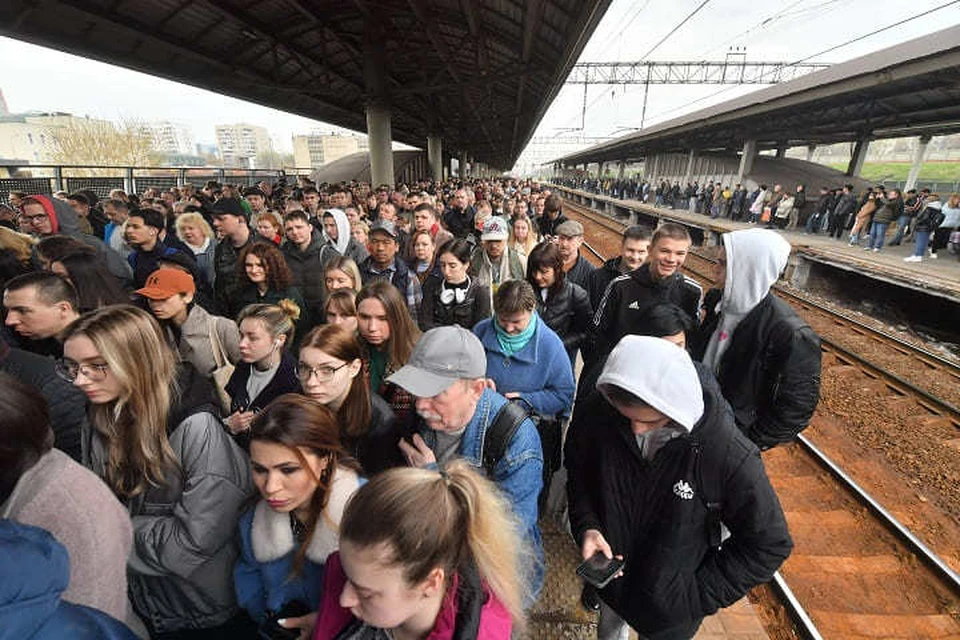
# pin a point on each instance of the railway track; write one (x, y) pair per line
(856, 571)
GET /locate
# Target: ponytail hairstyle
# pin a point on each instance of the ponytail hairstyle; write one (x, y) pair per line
(295, 421)
(278, 319)
(134, 425)
(421, 517)
(342, 344)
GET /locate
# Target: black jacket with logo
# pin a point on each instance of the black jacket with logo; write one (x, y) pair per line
(655, 513)
(630, 296)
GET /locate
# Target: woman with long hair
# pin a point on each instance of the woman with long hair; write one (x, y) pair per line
(329, 369)
(341, 272)
(562, 305)
(305, 478)
(523, 237)
(158, 445)
(341, 309)
(950, 223)
(454, 297)
(88, 273)
(425, 554)
(387, 335)
(266, 369)
(266, 279)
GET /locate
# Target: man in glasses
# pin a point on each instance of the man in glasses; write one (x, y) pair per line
(39, 307)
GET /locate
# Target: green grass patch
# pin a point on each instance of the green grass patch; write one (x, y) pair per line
(898, 171)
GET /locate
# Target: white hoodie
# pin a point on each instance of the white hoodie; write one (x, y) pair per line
(343, 231)
(755, 260)
(658, 372)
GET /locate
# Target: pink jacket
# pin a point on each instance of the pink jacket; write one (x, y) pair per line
(495, 620)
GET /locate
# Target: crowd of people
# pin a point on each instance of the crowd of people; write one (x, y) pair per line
(930, 220)
(338, 411)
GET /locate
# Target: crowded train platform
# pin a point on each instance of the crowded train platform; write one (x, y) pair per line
(299, 410)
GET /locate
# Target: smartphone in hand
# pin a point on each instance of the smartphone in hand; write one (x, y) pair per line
(599, 570)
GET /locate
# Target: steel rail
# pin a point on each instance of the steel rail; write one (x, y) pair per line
(795, 610)
(935, 562)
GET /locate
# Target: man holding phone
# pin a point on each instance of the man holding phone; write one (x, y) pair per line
(660, 477)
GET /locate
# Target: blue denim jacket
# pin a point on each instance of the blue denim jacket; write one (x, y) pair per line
(519, 473)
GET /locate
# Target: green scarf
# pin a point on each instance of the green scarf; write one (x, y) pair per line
(511, 344)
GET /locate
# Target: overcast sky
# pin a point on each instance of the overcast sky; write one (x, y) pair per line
(34, 78)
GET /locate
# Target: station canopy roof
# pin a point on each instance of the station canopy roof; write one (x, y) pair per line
(909, 89)
(479, 73)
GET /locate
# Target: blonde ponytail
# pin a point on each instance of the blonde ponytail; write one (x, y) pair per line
(448, 519)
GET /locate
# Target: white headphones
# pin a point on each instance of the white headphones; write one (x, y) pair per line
(458, 294)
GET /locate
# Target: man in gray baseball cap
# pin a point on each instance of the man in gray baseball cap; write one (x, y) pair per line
(447, 374)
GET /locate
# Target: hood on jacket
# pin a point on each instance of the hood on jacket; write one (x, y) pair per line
(36, 572)
(658, 372)
(755, 260)
(343, 231)
(195, 394)
(63, 219)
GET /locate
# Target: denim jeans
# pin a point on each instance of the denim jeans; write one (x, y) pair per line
(877, 233)
(923, 239)
(902, 223)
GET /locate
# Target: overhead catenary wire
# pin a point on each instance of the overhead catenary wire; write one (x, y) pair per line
(819, 53)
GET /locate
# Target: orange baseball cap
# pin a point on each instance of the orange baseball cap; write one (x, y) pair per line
(165, 283)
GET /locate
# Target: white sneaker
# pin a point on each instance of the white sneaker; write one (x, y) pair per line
(933, 256)
(913, 259)
(876, 250)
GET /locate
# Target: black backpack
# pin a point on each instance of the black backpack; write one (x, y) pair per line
(505, 424)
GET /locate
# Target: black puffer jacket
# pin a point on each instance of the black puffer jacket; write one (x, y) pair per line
(770, 373)
(434, 313)
(655, 513)
(377, 449)
(568, 313)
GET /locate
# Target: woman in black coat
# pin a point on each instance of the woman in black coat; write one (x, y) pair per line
(562, 305)
(329, 369)
(454, 298)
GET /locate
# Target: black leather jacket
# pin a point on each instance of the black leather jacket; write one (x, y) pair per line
(569, 314)
(434, 313)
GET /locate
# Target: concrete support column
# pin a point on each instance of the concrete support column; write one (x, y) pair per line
(782, 150)
(811, 148)
(435, 157)
(621, 168)
(380, 140)
(921, 153)
(688, 174)
(379, 131)
(462, 159)
(747, 158)
(600, 168)
(858, 156)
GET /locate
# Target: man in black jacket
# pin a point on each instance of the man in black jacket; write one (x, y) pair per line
(655, 464)
(766, 358)
(657, 281)
(569, 239)
(633, 252)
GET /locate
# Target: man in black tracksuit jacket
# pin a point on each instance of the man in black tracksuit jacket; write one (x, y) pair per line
(640, 487)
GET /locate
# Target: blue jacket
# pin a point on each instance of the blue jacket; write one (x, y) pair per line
(519, 473)
(540, 371)
(263, 575)
(34, 572)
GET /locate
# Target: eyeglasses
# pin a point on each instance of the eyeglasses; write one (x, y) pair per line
(40, 217)
(70, 370)
(323, 373)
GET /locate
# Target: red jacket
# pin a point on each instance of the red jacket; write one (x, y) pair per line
(495, 622)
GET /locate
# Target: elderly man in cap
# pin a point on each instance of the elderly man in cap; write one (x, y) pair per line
(495, 262)
(462, 417)
(385, 263)
(569, 238)
(659, 475)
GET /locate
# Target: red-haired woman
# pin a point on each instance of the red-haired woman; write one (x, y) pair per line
(266, 279)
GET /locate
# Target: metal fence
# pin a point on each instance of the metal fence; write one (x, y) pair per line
(47, 179)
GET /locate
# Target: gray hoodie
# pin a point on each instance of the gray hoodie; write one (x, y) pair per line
(755, 260)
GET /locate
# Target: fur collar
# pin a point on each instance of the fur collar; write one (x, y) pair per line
(272, 538)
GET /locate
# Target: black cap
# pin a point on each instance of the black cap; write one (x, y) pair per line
(228, 207)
